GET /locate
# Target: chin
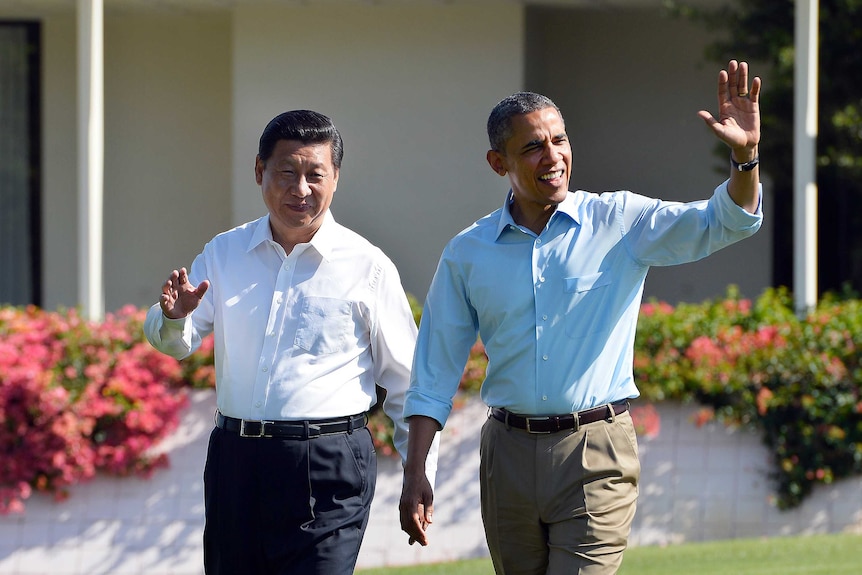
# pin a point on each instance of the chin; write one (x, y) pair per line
(559, 195)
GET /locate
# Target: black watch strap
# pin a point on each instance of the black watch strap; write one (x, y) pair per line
(745, 167)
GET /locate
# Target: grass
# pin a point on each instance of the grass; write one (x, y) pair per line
(804, 555)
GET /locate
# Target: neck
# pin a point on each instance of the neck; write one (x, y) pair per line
(289, 239)
(534, 221)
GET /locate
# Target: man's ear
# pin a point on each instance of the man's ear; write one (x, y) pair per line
(497, 162)
(258, 170)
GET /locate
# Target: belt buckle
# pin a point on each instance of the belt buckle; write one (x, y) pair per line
(243, 432)
(313, 430)
(528, 419)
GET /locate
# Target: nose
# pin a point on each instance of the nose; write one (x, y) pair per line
(550, 154)
(301, 189)
(553, 153)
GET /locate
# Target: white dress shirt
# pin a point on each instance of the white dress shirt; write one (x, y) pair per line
(299, 336)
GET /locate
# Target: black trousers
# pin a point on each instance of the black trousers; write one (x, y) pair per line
(286, 506)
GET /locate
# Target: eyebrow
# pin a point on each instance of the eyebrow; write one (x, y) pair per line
(531, 144)
(289, 163)
(539, 141)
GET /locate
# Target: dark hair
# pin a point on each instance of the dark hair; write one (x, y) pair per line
(304, 126)
(500, 120)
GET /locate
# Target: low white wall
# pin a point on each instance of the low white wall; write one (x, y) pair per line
(697, 484)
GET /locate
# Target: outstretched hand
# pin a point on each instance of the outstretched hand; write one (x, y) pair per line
(179, 297)
(738, 123)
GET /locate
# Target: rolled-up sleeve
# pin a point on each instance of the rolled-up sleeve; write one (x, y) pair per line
(447, 332)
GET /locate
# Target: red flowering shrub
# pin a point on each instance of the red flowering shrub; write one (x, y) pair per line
(798, 381)
(78, 397)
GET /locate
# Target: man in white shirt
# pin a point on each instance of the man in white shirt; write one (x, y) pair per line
(308, 317)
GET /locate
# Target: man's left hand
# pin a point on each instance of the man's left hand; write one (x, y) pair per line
(738, 123)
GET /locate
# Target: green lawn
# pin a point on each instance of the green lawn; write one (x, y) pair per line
(810, 555)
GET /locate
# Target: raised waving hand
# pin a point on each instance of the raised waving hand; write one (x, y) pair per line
(179, 297)
(738, 123)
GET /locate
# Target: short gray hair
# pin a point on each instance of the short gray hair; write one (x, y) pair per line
(500, 120)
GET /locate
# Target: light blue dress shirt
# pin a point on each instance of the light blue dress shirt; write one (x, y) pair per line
(557, 312)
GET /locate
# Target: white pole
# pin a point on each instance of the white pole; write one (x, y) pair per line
(90, 158)
(804, 157)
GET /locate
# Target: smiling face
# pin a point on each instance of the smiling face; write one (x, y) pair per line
(538, 159)
(298, 182)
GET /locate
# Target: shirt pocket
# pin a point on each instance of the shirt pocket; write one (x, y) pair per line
(325, 325)
(587, 311)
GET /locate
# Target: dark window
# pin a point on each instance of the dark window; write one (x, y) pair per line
(20, 221)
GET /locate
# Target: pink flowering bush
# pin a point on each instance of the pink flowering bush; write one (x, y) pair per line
(78, 398)
(798, 381)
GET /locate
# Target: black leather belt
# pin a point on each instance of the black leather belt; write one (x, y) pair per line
(291, 429)
(554, 423)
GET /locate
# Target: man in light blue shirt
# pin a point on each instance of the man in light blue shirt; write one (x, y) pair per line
(552, 283)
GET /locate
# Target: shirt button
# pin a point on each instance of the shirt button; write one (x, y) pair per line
(538, 241)
(544, 398)
(545, 357)
(545, 316)
(266, 368)
(286, 266)
(279, 300)
(541, 279)
(257, 404)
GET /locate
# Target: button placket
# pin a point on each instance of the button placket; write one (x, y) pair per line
(275, 322)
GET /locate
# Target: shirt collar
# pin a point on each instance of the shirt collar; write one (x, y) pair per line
(568, 206)
(323, 241)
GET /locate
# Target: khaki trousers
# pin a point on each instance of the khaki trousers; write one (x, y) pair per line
(560, 503)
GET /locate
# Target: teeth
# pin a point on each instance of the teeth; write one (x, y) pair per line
(552, 175)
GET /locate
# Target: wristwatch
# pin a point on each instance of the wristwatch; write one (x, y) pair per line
(747, 166)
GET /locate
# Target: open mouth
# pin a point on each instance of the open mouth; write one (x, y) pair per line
(551, 176)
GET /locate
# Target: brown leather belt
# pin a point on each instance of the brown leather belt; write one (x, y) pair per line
(291, 429)
(555, 423)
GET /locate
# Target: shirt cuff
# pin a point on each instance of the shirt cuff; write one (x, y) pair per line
(733, 216)
(419, 403)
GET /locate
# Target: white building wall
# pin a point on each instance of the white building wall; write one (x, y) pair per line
(167, 147)
(59, 161)
(188, 92)
(409, 87)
